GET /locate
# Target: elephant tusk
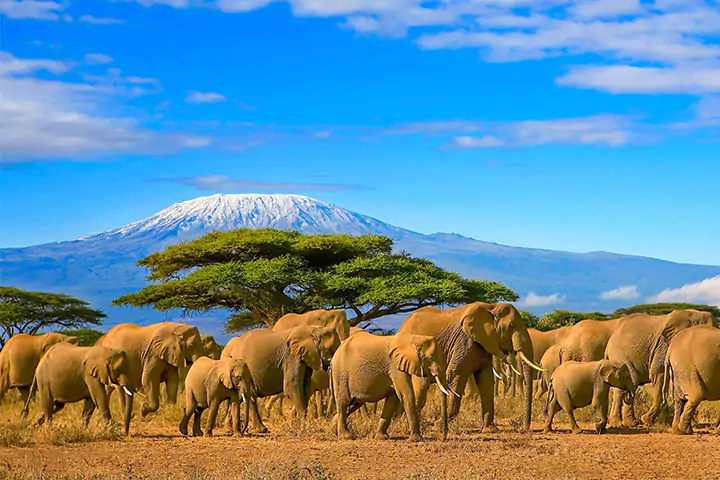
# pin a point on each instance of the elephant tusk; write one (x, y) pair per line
(442, 389)
(454, 392)
(497, 375)
(244, 398)
(127, 391)
(531, 364)
(512, 367)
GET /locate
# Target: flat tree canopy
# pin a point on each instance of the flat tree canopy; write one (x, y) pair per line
(665, 308)
(87, 337)
(30, 312)
(565, 318)
(261, 275)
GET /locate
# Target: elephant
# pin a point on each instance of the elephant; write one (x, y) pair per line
(157, 353)
(549, 362)
(335, 319)
(20, 357)
(469, 336)
(284, 361)
(692, 373)
(68, 373)
(369, 368)
(211, 382)
(541, 342)
(212, 349)
(579, 384)
(641, 341)
(586, 340)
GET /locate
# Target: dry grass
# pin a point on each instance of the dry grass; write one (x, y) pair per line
(152, 436)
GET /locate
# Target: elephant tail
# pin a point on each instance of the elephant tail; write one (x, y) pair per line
(26, 407)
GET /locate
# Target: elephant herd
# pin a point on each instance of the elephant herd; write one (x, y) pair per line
(589, 363)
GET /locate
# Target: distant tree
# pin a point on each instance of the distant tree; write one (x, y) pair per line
(260, 275)
(531, 320)
(665, 308)
(87, 337)
(564, 318)
(30, 312)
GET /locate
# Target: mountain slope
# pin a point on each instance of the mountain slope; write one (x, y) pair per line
(101, 267)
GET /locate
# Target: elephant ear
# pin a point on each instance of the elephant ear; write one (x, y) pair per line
(167, 347)
(479, 325)
(224, 373)
(302, 345)
(98, 366)
(675, 323)
(405, 351)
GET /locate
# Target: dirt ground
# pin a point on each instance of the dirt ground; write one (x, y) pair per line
(504, 455)
(310, 450)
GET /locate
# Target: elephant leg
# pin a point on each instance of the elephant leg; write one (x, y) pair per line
(553, 409)
(341, 417)
(47, 406)
(484, 379)
(685, 423)
(602, 412)
(656, 396)
(392, 402)
(88, 409)
(197, 418)
(402, 383)
(212, 417)
(172, 385)
(152, 401)
(616, 408)
(259, 425)
(570, 411)
(421, 385)
(628, 413)
(190, 406)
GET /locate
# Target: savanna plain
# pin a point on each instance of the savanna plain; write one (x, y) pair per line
(310, 450)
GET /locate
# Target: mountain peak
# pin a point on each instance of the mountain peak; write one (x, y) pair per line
(192, 218)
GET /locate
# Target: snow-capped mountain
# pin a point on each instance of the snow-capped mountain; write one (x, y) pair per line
(193, 218)
(102, 266)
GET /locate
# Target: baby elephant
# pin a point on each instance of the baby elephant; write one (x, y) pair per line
(579, 384)
(68, 373)
(211, 382)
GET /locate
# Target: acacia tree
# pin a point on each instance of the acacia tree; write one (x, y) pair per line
(260, 275)
(30, 312)
(665, 308)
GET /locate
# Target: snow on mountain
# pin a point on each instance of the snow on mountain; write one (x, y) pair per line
(225, 212)
(102, 266)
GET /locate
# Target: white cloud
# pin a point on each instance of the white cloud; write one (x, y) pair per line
(704, 292)
(97, 58)
(100, 20)
(628, 292)
(50, 119)
(205, 97)
(602, 129)
(223, 183)
(630, 79)
(30, 9)
(486, 141)
(534, 300)
(607, 8)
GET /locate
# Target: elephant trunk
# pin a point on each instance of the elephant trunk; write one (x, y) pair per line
(443, 406)
(527, 396)
(127, 414)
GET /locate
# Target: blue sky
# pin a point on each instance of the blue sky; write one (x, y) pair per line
(575, 125)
